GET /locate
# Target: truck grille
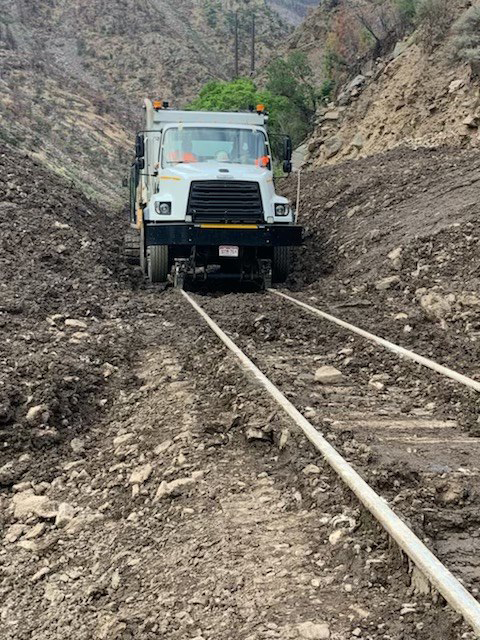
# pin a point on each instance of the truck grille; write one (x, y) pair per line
(225, 201)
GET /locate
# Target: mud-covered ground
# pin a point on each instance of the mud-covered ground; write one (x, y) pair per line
(149, 490)
(393, 246)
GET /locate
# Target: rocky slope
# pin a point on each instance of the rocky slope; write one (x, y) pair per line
(74, 75)
(293, 11)
(415, 96)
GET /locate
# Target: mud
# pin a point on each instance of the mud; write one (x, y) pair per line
(168, 497)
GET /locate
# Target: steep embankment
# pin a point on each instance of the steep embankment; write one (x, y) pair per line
(417, 95)
(392, 246)
(74, 74)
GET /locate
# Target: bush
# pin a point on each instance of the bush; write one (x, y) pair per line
(289, 95)
(434, 18)
(466, 43)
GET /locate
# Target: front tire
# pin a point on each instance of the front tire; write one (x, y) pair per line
(157, 259)
(282, 264)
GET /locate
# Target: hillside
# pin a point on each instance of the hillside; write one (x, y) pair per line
(293, 11)
(415, 94)
(74, 74)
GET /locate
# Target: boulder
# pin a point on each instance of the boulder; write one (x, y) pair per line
(332, 116)
(472, 121)
(328, 375)
(356, 83)
(65, 515)
(27, 502)
(358, 141)
(38, 414)
(77, 324)
(333, 146)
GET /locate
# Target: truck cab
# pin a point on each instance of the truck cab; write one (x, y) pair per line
(203, 201)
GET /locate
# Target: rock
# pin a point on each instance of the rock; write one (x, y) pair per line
(313, 631)
(395, 254)
(356, 83)
(38, 414)
(333, 146)
(472, 121)
(65, 515)
(119, 440)
(164, 446)
(35, 532)
(328, 375)
(335, 537)
(141, 474)
(400, 49)
(14, 532)
(252, 433)
(332, 116)
(77, 324)
(10, 473)
(77, 445)
(358, 142)
(311, 469)
(455, 85)
(28, 503)
(174, 488)
(387, 283)
(436, 306)
(61, 225)
(44, 571)
(79, 523)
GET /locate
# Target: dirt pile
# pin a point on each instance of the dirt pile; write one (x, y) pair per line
(392, 245)
(65, 310)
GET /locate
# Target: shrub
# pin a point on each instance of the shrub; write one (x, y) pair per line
(466, 42)
(290, 96)
(434, 18)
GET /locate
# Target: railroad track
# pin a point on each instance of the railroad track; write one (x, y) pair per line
(376, 418)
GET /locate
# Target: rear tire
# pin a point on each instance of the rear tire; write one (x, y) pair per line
(157, 259)
(281, 265)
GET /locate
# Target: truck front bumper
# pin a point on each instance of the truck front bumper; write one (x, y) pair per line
(207, 235)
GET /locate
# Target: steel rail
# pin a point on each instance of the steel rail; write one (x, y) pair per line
(401, 351)
(431, 567)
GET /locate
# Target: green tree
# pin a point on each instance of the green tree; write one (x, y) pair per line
(289, 96)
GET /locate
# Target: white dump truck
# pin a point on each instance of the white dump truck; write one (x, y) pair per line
(203, 201)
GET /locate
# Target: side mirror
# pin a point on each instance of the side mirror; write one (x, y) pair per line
(141, 164)
(125, 182)
(288, 149)
(287, 166)
(140, 146)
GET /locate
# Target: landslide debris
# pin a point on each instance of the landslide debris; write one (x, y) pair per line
(392, 245)
(65, 312)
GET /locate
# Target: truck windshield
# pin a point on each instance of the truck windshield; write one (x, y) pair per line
(209, 144)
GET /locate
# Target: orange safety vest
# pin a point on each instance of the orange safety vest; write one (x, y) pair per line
(187, 156)
(262, 162)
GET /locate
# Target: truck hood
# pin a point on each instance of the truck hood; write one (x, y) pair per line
(218, 171)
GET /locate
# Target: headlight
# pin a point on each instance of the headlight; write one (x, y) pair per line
(282, 210)
(163, 208)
